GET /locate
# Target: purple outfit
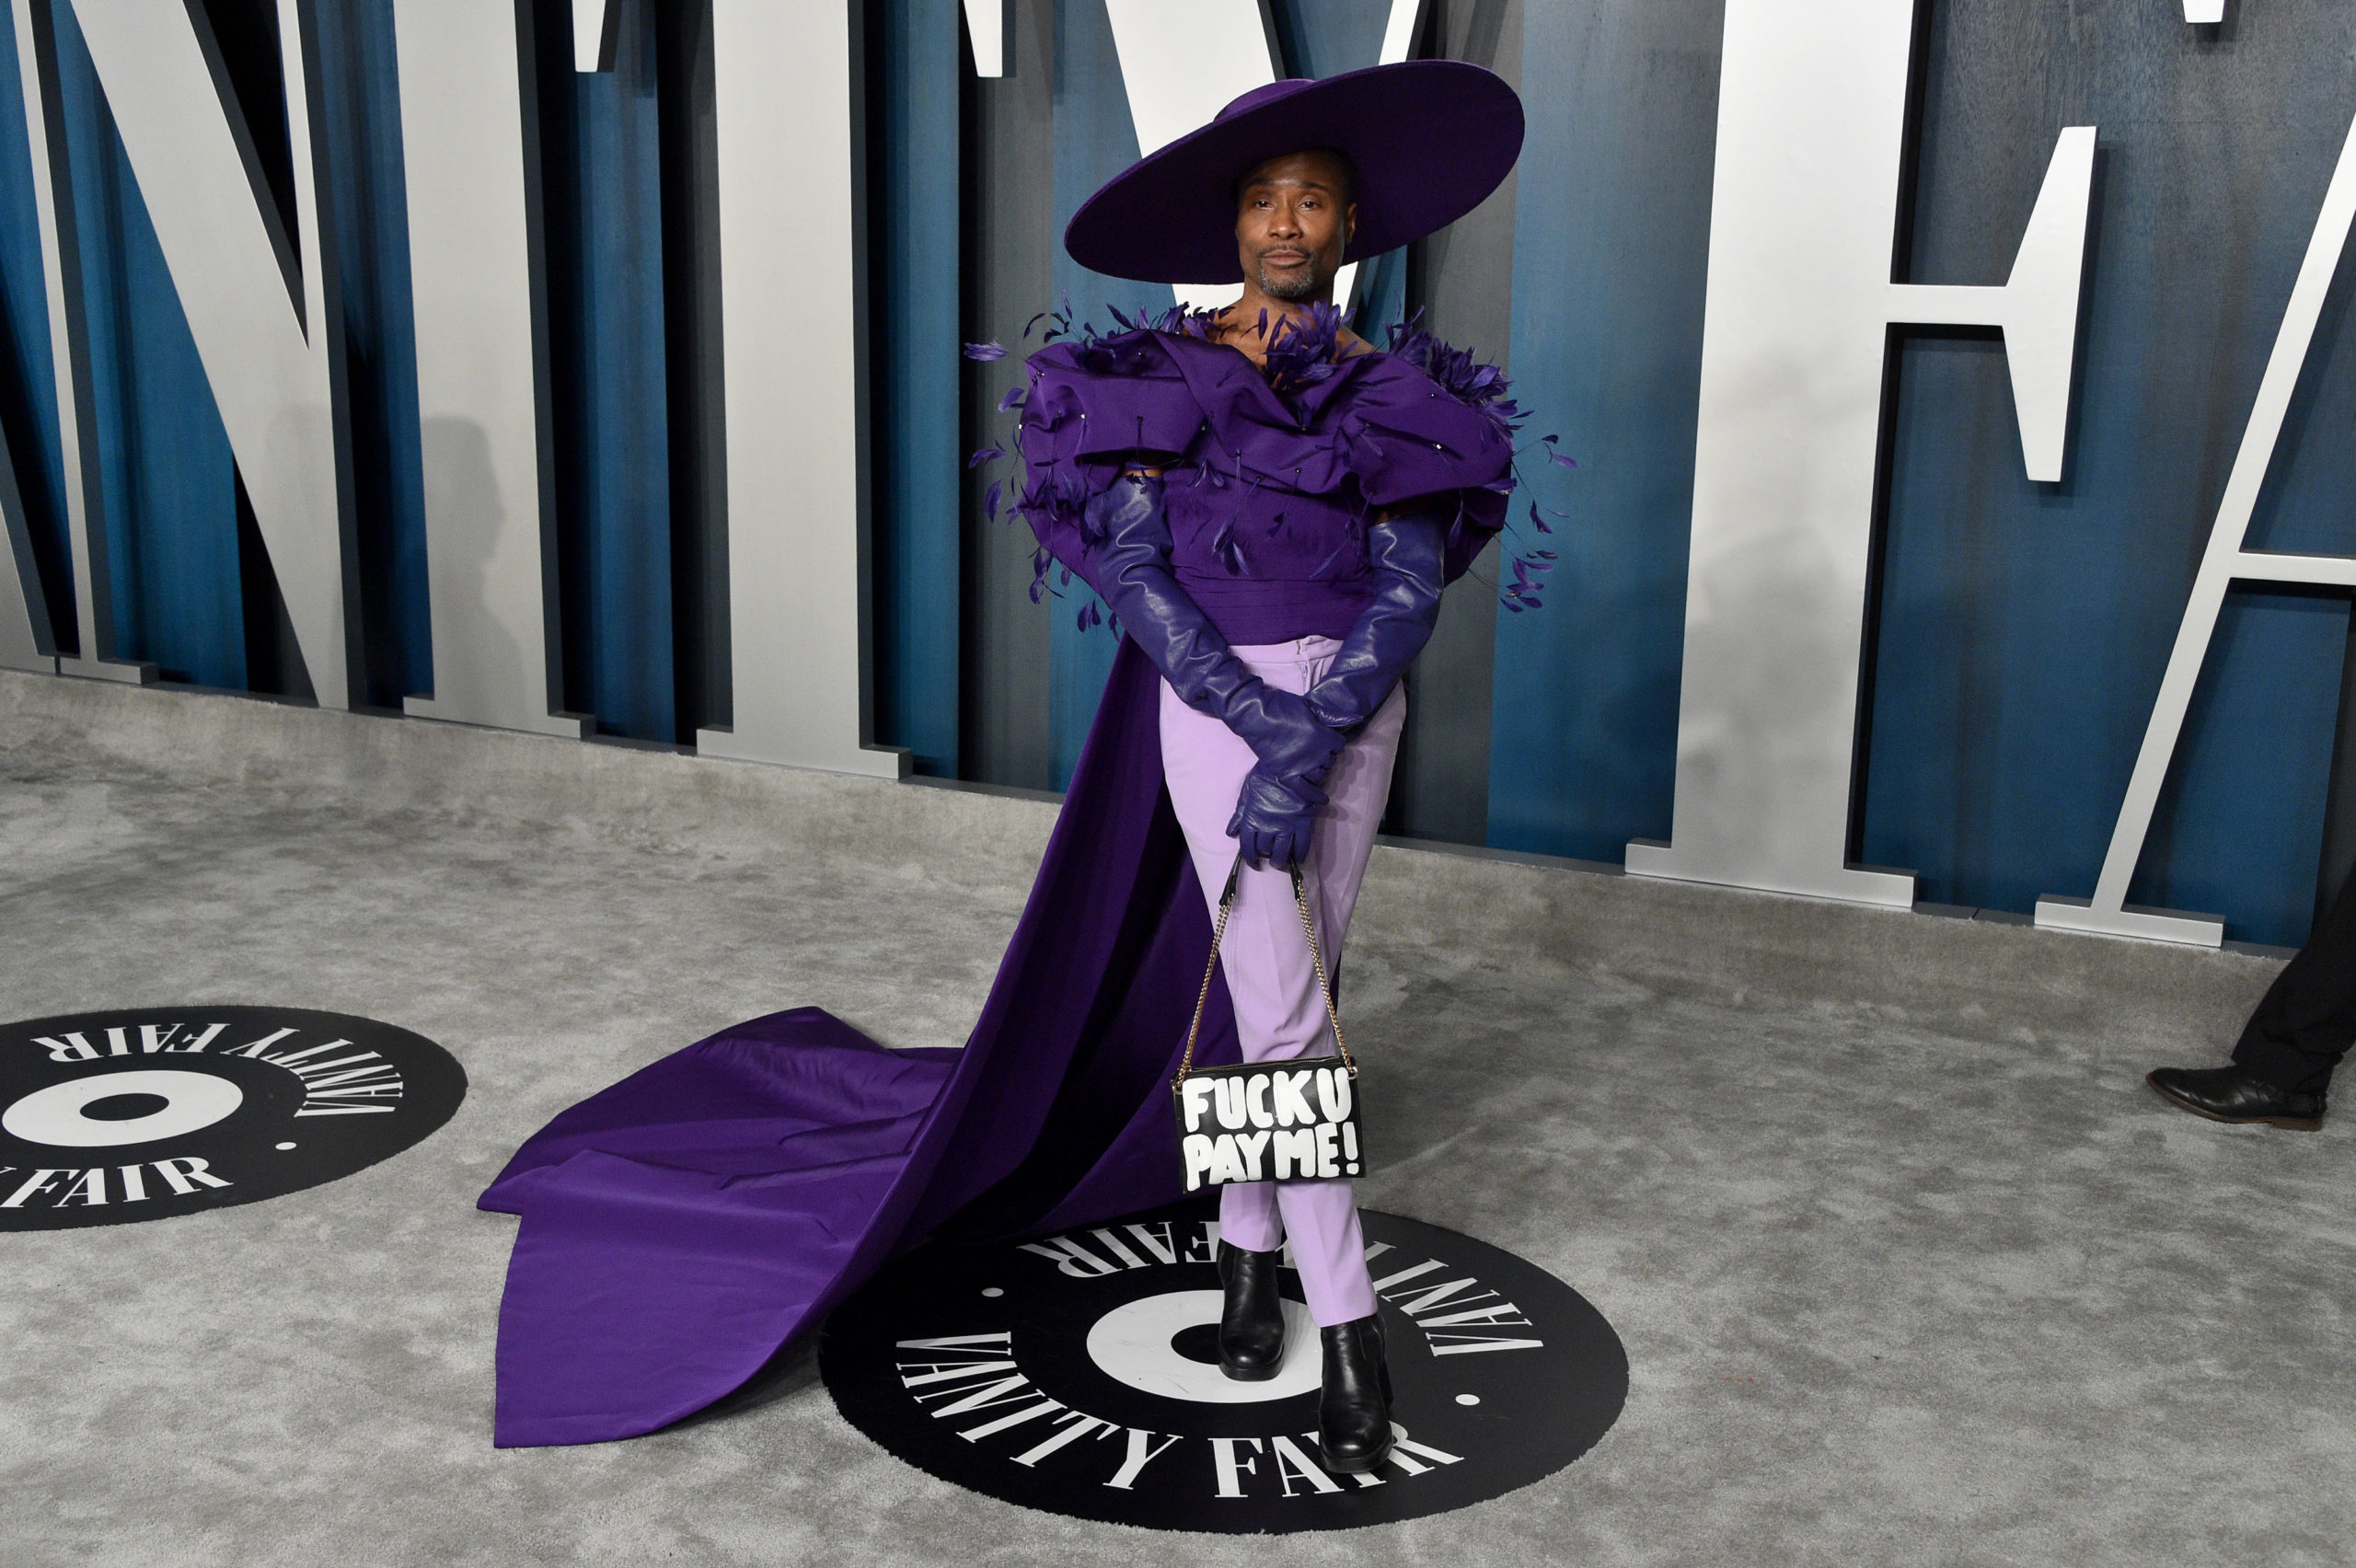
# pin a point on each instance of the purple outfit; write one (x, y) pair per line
(1270, 479)
(1269, 491)
(681, 1227)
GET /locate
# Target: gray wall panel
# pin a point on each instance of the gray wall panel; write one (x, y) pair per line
(25, 641)
(1010, 239)
(1463, 278)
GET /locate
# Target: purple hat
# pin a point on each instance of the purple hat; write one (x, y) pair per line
(1431, 138)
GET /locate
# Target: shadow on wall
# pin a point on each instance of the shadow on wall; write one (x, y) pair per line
(480, 673)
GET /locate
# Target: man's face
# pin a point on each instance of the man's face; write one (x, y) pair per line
(1292, 225)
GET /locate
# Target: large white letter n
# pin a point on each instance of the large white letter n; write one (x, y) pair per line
(1811, 144)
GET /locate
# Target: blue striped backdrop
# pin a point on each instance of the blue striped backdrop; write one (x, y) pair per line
(2018, 630)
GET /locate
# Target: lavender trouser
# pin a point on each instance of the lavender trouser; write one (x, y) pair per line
(1266, 958)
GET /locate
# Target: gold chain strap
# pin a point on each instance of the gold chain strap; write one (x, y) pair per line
(1219, 934)
(1317, 957)
(1210, 966)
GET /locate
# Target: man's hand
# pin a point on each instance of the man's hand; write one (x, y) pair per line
(1275, 817)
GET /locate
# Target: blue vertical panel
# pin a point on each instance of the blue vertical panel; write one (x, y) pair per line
(27, 376)
(358, 138)
(163, 458)
(620, 444)
(1610, 243)
(2023, 627)
(2240, 824)
(913, 259)
(1095, 140)
(1325, 38)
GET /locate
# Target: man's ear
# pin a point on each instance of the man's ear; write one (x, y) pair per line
(1349, 224)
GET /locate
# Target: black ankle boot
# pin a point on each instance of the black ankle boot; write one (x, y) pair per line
(1353, 1411)
(1251, 1329)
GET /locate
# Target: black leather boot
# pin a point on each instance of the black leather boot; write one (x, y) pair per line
(1252, 1328)
(1353, 1410)
(2232, 1094)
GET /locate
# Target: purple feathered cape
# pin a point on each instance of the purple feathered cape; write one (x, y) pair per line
(682, 1227)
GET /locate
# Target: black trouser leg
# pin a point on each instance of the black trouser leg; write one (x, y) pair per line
(2307, 1019)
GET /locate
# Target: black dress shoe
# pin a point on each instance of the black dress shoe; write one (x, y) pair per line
(1354, 1410)
(1252, 1326)
(2229, 1094)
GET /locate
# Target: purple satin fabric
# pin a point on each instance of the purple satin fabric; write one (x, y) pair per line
(1267, 492)
(683, 1226)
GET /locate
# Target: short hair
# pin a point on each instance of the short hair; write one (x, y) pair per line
(1350, 173)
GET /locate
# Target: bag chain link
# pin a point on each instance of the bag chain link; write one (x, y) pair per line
(1316, 957)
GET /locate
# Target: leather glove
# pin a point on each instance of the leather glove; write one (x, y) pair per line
(1406, 556)
(1128, 552)
(1275, 817)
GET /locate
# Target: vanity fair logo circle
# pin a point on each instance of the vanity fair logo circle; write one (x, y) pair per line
(111, 1117)
(1079, 1375)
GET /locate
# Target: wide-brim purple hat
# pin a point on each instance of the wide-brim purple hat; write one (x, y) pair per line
(1431, 138)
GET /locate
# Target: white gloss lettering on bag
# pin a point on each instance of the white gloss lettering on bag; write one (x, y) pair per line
(1260, 1121)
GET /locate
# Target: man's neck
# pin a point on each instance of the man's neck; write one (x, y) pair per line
(1242, 317)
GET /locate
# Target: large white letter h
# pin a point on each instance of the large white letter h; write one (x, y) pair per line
(1811, 144)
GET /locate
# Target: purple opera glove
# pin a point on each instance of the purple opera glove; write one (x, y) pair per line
(1273, 817)
(1407, 555)
(1129, 558)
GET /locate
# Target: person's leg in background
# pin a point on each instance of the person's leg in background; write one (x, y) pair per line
(2299, 1031)
(2307, 1019)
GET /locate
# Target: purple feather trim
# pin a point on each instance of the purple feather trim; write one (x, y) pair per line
(1301, 349)
(1476, 386)
(1229, 552)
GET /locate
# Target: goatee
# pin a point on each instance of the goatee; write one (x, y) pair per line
(1298, 286)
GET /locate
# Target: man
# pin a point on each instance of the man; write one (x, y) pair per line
(1271, 508)
(2302, 1027)
(1272, 512)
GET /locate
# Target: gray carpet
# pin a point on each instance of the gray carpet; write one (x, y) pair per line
(1910, 1266)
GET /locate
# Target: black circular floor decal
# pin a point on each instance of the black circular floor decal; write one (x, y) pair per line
(1078, 1375)
(110, 1117)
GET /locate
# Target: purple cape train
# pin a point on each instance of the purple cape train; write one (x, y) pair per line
(681, 1227)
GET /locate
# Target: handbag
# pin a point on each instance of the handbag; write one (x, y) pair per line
(1288, 1121)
